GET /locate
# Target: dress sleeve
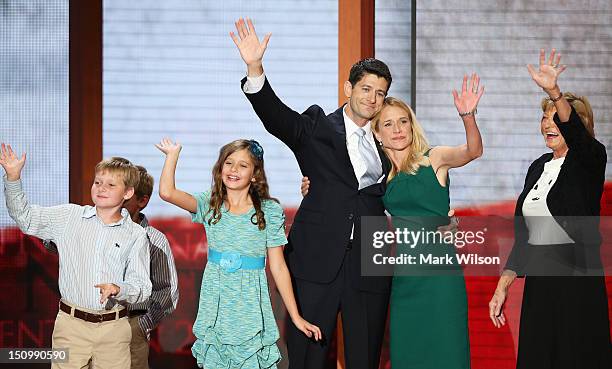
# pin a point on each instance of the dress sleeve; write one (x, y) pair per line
(517, 258)
(590, 152)
(203, 199)
(275, 224)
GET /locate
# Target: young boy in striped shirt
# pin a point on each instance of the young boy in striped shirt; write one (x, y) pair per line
(103, 261)
(146, 316)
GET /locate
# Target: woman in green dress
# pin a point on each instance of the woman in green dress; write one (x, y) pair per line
(428, 313)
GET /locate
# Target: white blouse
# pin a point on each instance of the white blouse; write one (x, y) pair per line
(543, 228)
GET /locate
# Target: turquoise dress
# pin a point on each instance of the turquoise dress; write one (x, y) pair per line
(235, 326)
(428, 313)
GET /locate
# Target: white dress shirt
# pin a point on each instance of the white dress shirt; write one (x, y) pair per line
(352, 144)
(543, 228)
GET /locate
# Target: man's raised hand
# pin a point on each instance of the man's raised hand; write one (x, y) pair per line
(251, 49)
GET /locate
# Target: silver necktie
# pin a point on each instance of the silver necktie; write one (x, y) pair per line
(373, 168)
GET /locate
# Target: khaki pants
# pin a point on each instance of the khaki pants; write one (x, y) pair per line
(139, 348)
(106, 344)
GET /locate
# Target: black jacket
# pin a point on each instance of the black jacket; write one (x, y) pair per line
(322, 225)
(574, 200)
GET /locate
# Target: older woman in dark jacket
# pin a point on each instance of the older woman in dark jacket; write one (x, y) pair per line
(564, 316)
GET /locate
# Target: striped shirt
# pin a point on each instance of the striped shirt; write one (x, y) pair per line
(90, 252)
(165, 294)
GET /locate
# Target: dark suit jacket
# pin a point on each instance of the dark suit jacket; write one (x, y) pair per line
(322, 226)
(574, 200)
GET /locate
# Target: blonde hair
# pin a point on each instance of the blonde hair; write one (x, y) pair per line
(145, 183)
(419, 145)
(580, 104)
(120, 166)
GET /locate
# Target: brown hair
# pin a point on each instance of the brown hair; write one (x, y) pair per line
(580, 104)
(418, 146)
(121, 166)
(258, 190)
(145, 183)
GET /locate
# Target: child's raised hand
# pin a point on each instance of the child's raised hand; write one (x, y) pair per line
(168, 147)
(11, 163)
(310, 330)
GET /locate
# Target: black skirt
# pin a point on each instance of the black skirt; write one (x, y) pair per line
(564, 320)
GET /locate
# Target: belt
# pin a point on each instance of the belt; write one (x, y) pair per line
(91, 317)
(232, 261)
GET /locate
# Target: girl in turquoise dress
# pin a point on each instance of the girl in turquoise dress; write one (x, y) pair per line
(235, 326)
(428, 313)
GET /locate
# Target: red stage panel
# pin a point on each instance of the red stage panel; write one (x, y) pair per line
(30, 279)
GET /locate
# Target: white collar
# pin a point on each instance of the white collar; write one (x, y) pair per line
(90, 212)
(351, 127)
(554, 163)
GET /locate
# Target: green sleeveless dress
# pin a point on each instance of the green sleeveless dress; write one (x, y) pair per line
(428, 327)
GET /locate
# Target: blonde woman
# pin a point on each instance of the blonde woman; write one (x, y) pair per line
(564, 317)
(428, 313)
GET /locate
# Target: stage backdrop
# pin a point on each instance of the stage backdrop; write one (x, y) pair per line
(175, 71)
(170, 69)
(34, 95)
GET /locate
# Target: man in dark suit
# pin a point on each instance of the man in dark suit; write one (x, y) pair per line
(348, 172)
